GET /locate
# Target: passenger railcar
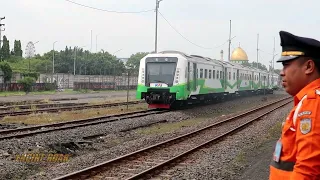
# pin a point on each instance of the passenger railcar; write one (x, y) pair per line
(171, 78)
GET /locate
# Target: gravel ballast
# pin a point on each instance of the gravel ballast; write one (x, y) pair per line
(245, 155)
(113, 144)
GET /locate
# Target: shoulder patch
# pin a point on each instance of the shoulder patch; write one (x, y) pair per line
(311, 95)
(304, 113)
(305, 126)
(318, 92)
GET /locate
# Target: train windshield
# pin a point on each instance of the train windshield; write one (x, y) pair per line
(161, 72)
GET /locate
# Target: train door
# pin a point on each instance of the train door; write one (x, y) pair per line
(189, 77)
(238, 84)
(259, 81)
(252, 80)
(194, 84)
(225, 77)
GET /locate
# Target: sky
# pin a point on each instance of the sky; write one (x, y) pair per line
(201, 26)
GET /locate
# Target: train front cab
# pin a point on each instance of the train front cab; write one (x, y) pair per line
(158, 78)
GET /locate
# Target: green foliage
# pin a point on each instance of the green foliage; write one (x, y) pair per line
(260, 66)
(34, 75)
(277, 71)
(27, 83)
(21, 65)
(5, 49)
(17, 48)
(49, 86)
(254, 64)
(134, 60)
(7, 71)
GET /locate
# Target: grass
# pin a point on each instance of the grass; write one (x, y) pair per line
(275, 131)
(241, 157)
(66, 91)
(169, 127)
(46, 118)
(102, 101)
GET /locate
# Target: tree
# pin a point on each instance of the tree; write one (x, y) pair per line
(260, 66)
(7, 71)
(5, 50)
(277, 71)
(17, 48)
(134, 60)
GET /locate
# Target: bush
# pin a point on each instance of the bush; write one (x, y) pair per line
(49, 86)
(34, 75)
(27, 83)
(7, 71)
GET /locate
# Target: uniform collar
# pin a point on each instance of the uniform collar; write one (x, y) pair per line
(311, 86)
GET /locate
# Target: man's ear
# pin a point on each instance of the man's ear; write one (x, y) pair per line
(309, 66)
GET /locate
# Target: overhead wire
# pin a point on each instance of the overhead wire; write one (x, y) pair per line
(187, 38)
(128, 12)
(79, 4)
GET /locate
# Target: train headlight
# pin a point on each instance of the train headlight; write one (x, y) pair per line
(177, 76)
(142, 75)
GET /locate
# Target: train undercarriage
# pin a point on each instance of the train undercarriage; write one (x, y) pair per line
(163, 99)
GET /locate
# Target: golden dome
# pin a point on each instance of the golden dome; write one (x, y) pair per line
(239, 55)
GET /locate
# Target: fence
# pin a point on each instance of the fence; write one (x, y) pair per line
(19, 86)
(68, 81)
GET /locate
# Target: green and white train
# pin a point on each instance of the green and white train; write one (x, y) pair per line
(171, 78)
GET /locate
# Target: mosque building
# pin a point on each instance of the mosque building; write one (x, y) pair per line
(239, 56)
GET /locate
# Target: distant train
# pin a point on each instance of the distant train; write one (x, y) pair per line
(172, 78)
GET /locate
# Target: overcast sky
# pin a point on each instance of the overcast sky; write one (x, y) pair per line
(203, 22)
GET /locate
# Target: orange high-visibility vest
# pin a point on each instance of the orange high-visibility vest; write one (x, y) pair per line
(300, 138)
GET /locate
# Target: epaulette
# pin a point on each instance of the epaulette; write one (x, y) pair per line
(313, 94)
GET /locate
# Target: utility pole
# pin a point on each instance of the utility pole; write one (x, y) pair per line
(91, 42)
(274, 51)
(257, 50)
(156, 36)
(75, 58)
(1, 36)
(53, 59)
(74, 61)
(96, 43)
(229, 42)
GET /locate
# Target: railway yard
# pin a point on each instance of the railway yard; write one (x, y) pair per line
(139, 142)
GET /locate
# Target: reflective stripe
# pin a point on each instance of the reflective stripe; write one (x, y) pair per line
(296, 111)
(283, 165)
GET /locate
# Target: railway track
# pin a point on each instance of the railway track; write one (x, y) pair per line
(39, 129)
(68, 108)
(40, 106)
(150, 161)
(34, 101)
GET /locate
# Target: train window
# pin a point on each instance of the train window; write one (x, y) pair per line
(234, 76)
(206, 73)
(217, 74)
(213, 74)
(201, 73)
(250, 77)
(210, 74)
(197, 73)
(221, 75)
(229, 75)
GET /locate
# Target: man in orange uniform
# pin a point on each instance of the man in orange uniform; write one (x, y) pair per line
(297, 152)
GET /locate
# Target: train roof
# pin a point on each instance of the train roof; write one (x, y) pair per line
(214, 61)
